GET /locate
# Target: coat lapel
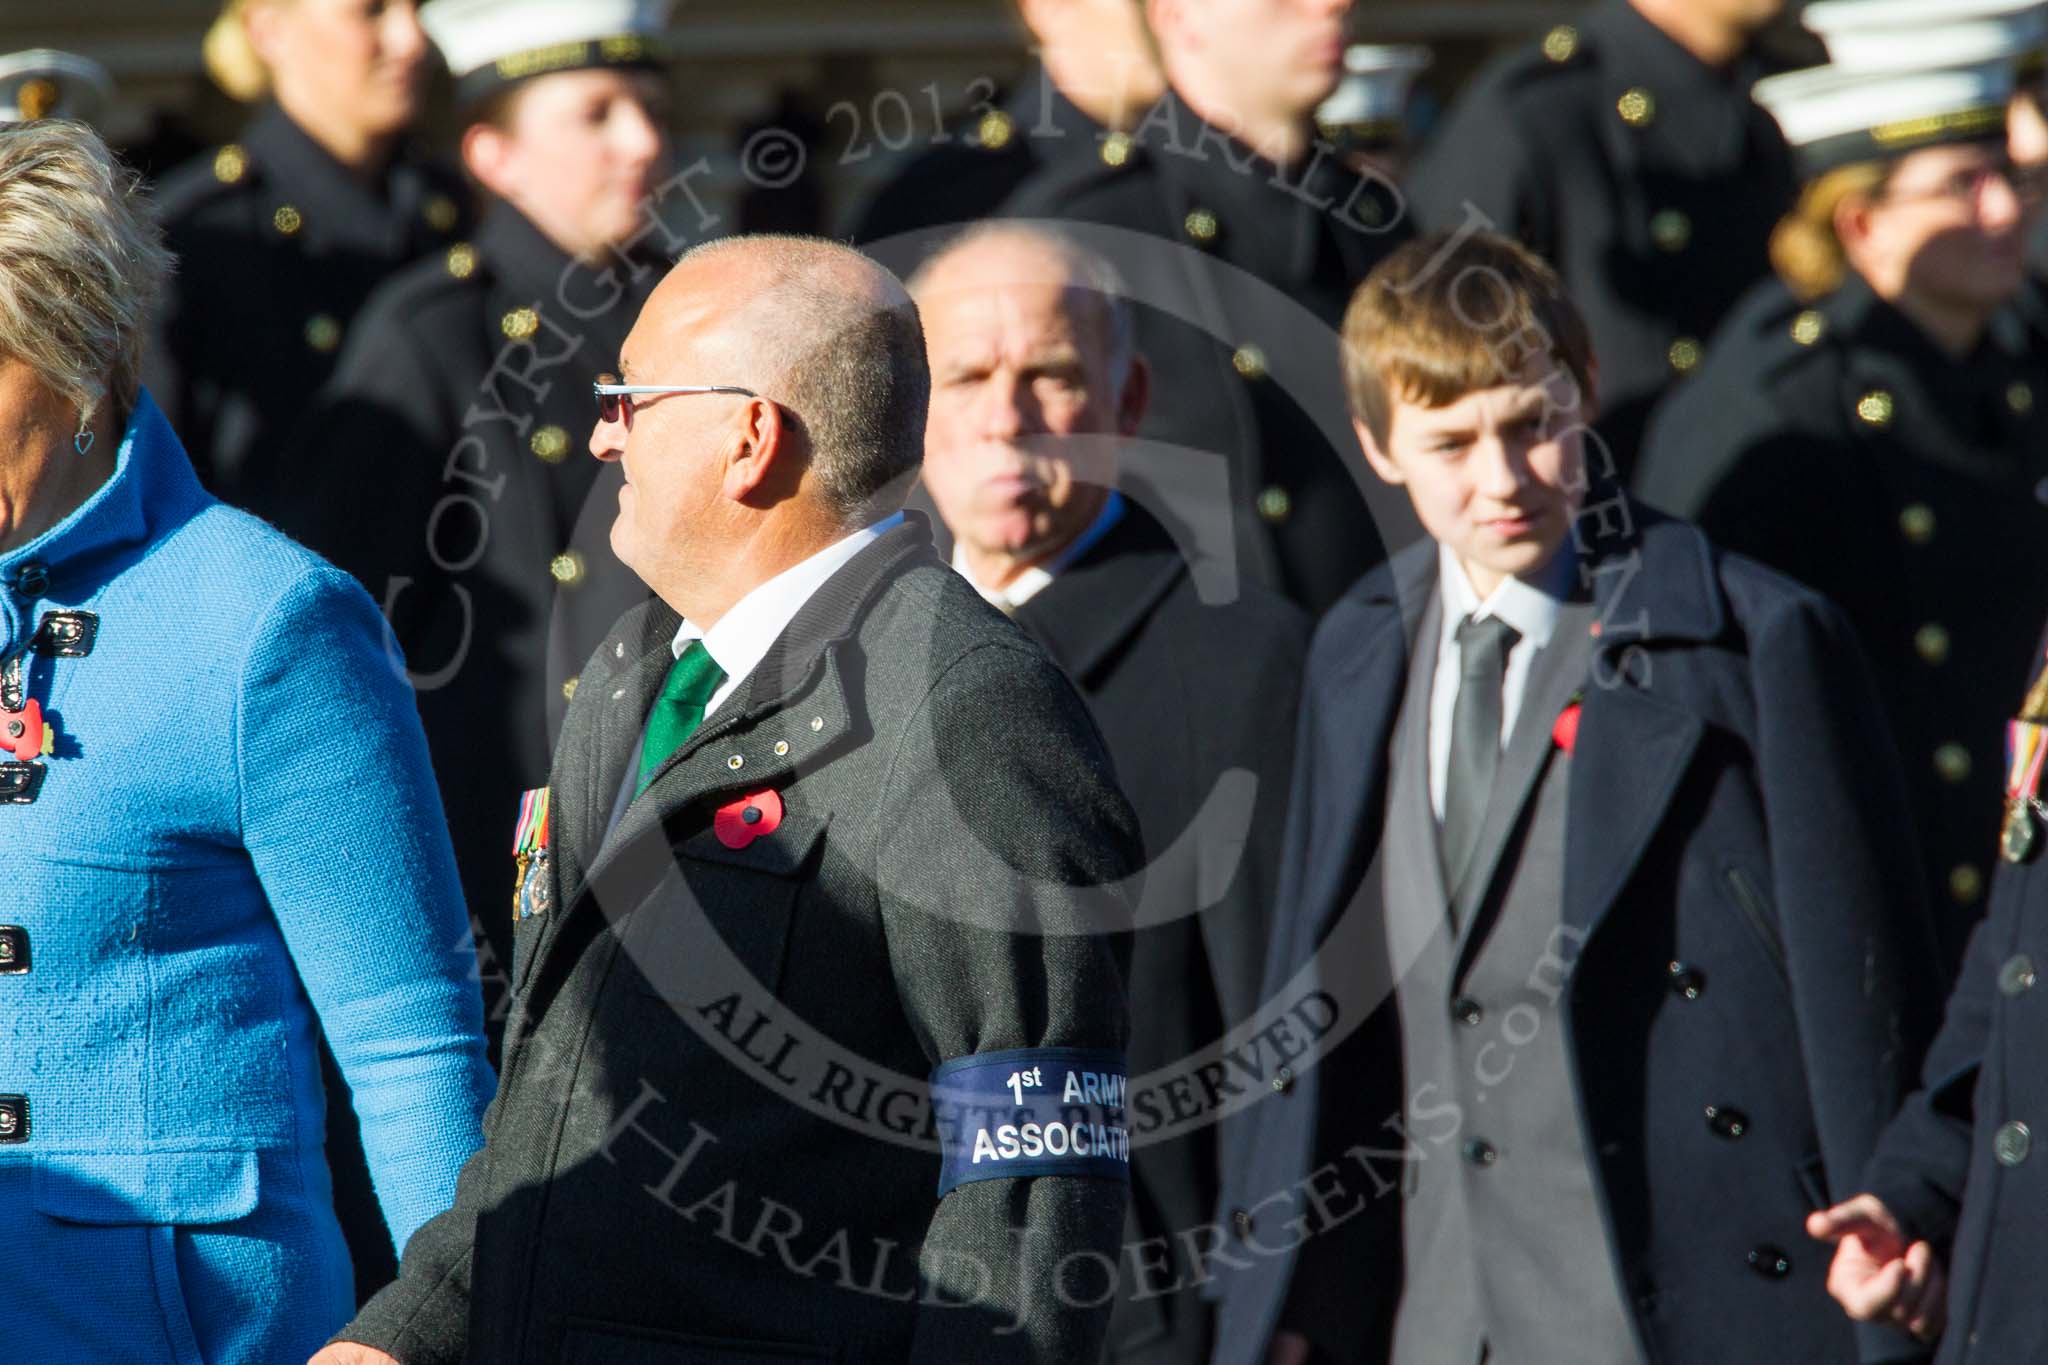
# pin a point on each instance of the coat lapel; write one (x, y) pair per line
(1097, 603)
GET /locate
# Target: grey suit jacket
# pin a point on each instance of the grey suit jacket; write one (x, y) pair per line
(710, 1143)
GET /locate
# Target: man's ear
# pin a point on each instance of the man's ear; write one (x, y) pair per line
(1132, 403)
(486, 151)
(756, 451)
(1852, 223)
(1376, 455)
(261, 23)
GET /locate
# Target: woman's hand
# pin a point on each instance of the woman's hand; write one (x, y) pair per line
(350, 1353)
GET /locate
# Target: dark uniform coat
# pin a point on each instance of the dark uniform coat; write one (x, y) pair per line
(1196, 701)
(1651, 181)
(449, 470)
(1751, 989)
(1838, 444)
(278, 247)
(980, 160)
(1241, 271)
(1962, 1165)
(647, 1194)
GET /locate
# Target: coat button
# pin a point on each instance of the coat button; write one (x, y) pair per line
(519, 324)
(1249, 361)
(2019, 396)
(461, 260)
(1876, 408)
(1917, 523)
(13, 950)
(2011, 1143)
(1275, 505)
(2016, 977)
(1283, 1080)
(1931, 643)
(1467, 1011)
(1116, 149)
(1687, 982)
(1637, 107)
(1965, 883)
(569, 688)
(995, 130)
(1241, 1223)
(1671, 230)
(1560, 43)
(566, 568)
(230, 164)
(1952, 763)
(287, 220)
(1770, 1262)
(1202, 226)
(30, 580)
(1480, 1152)
(1809, 326)
(1685, 355)
(441, 213)
(549, 444)
(1727, 1123)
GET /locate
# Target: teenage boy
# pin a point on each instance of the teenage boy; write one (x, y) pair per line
(1598, 849)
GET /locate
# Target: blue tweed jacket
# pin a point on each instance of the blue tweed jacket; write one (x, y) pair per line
(233, 843)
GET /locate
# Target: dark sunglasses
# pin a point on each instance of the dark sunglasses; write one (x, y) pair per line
(615, 401)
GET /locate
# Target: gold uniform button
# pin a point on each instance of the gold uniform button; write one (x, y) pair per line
(323, 333)
(1275, 505)
(1931, 643)
(1952, 763)
(1685, 355)
(1202, 226)
(519, 324)
(1671, 230)
(287, 220)
(995, 130)
(1965, 883)
(462, 260)
(569, 689)
(36, 99)
(1637, 107)
(566, 568)
(441, 213)
(1560, 43)
(550, 444)
(1808, 326)
(1116, 149)
(2019, 396)
(1249, 361)
(1368, 210)
(230, 164)
(1917, 523)
(1876, 408)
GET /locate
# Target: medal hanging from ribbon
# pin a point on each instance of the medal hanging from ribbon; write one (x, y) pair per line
(530, 856)
(2026, 749)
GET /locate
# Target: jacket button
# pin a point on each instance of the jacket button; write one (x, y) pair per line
(1931, 642)
(31, 579)
(1480, 1152)
(1275, 505)
(1687, 982)
(2011, 1143)
(13, 950)
(1965, 883)
(2016, 977)
(1467, 1011)
(1770, 1262)
(1283, 1080)
(1241, 1223)
(13, 1118)
(1727, 1123)
(1917, 523)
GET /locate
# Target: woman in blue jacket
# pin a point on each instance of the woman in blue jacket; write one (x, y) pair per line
(219, 838)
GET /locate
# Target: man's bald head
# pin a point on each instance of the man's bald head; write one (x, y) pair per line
(825, 333)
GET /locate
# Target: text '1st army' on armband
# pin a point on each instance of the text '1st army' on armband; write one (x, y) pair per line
(1031, 1112)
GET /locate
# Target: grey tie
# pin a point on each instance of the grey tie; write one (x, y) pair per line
(1483, 647)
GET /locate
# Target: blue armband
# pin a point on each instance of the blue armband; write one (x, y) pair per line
(1031, 1111)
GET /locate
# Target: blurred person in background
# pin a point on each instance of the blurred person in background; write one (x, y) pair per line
(282, 234)
(208, 873)
(1366, 118)
(443, 466)
(41, 83)
(1230, 209)
(1624, 147)
(1871, 435)
(1035, 381)
(1095, 74)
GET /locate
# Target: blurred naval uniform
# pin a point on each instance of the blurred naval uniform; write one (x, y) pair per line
(448, 469)
(1649, 179)
(1835, 441)
(42, 83)
(279, 245)
(1240, 271)
(975, 164)
(1964, 1163)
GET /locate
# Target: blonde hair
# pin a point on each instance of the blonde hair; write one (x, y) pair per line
(231, 58)
(82, 262)
(1443, 317)
(1806, 251)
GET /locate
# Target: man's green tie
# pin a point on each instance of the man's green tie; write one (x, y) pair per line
(679, 710)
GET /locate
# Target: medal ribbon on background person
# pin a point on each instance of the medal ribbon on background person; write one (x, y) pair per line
(2026, 749)
(529, 846)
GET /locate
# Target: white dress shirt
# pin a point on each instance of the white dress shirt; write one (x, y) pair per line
(1038, 577)
(1530, 606)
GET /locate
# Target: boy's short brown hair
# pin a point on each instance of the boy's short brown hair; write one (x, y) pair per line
(1450, 314)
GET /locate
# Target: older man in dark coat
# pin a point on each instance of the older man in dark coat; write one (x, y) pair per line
(1036, 379)
(821, 824)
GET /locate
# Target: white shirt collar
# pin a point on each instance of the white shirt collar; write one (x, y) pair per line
(1531, 606)
(1038, 577)
(742, 636)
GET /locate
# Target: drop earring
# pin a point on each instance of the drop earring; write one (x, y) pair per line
(82, 442)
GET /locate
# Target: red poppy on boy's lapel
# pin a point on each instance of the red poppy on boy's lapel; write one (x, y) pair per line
(747, 819)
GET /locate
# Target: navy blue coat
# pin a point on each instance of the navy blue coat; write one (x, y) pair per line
(1964, 1164)
(1740, 867)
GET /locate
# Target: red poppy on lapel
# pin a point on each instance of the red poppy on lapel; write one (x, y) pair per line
(1565, 733)
(748, 818)
(22, 731)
